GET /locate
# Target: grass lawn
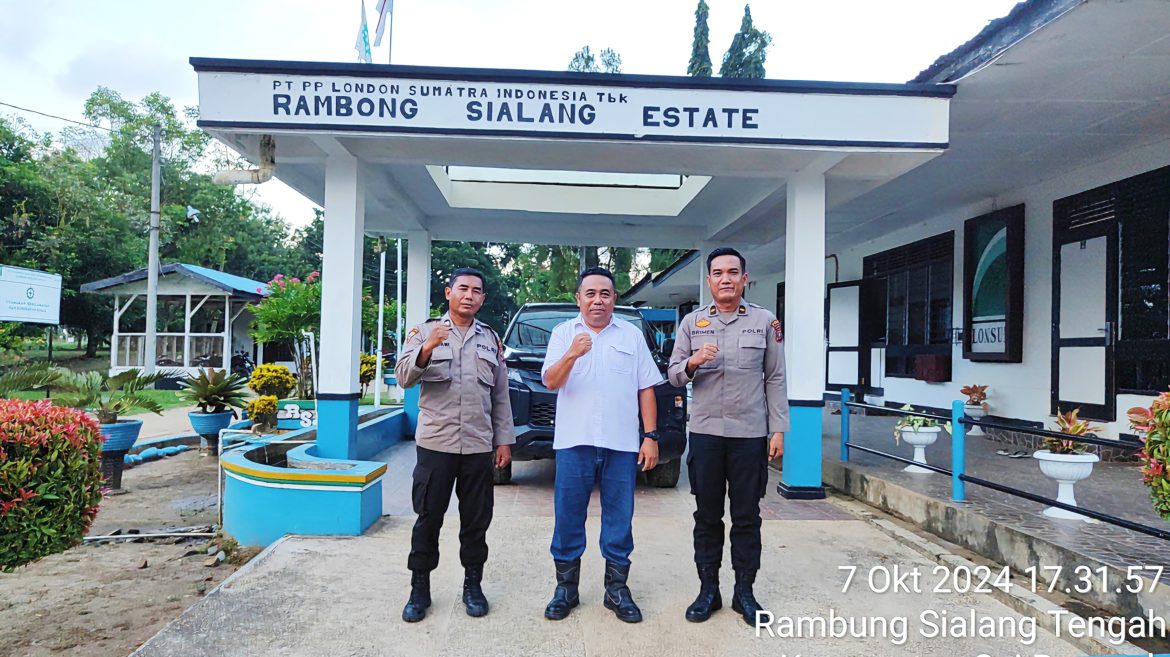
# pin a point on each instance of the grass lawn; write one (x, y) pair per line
(72, 360)
(168, 398)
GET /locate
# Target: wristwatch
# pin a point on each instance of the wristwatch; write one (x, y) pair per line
(652, 435)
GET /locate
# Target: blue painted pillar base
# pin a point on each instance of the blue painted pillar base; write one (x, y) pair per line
(337, 420)
(410, 408)
(800, 478)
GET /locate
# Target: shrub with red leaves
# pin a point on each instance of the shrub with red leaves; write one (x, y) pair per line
(50, 479)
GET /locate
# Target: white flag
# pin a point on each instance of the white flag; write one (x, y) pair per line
(362, 44)
(384, 9)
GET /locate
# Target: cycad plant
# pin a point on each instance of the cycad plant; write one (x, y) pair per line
(214, 391)
(107, 397)
(27, 377)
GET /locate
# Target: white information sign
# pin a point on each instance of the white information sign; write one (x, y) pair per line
(28, 295)
(820, 114)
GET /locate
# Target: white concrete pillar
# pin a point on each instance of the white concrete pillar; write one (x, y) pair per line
(704, 297)
(418, 306)
(804, 334)
(418, 278)
(341, 281)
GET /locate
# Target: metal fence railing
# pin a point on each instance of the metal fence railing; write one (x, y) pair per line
(957, 472)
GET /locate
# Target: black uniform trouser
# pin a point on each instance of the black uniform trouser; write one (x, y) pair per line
(721, 468)
(434, 476)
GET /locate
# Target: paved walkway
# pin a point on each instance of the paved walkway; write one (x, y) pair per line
(343, 596)
(1114, 488)
(172, 422)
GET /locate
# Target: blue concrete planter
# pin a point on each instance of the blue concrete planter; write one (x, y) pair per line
(294, 414)
(208, 425)
(121, 435)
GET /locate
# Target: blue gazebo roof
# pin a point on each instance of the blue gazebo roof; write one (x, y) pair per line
(237, 286)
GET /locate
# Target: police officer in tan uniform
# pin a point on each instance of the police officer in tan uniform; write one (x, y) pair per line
(733, 354)
(464, 432)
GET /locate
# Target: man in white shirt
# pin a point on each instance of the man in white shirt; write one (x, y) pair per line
(604, 374)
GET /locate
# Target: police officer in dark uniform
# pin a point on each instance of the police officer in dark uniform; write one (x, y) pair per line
(732, 353)
(464, 432)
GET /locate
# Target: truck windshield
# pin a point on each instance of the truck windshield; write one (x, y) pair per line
(532, 329)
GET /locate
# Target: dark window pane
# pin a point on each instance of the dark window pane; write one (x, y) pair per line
(896, 317)
(917, 287)
(1144, 243)
(940, 301)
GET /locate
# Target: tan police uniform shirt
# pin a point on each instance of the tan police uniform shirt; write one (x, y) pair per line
(463, 407)
(741, 393)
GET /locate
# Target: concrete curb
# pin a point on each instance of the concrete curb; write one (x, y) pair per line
(1017, 597)
(226, 583)
(1003, 544)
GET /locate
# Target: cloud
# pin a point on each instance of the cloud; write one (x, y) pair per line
(131, 70)
(21, 34)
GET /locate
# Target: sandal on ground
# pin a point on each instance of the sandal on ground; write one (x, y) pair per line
(1003, 452)
(1018, 455)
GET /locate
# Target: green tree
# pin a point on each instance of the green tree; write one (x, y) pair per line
(749, 48)
(446, 257)
(57, 217)
(700, 64)
(584, 61)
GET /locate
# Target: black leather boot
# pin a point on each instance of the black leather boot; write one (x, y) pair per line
(744, 599)
(565, 597)
(420, 597)
(709, 599)
(617, 595)
(473, 597)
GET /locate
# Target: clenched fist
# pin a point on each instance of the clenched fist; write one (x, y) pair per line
(438, 336)
(704, 355)
(581, 345)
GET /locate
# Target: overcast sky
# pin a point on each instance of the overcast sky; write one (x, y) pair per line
(53, 54)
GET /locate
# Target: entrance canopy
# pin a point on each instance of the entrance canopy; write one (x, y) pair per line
(568, 158)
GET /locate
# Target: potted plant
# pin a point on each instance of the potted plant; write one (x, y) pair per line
(1153, 425)
(1066, 462)
(918, 431)
(262, 411)
(975, 407)
(107, 398)
(216, 393)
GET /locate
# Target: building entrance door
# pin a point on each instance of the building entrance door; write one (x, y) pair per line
(847, 354)
(1084, 326)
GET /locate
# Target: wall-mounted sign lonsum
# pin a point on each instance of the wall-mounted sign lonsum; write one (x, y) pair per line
(464, 101)
(28, 295)
(993, 286)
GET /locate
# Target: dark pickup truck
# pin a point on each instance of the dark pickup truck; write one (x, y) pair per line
(534, 406)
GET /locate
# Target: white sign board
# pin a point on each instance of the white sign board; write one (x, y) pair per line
(28, 295)
(820, 114)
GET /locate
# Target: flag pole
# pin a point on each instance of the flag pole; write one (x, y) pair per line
(378, 383)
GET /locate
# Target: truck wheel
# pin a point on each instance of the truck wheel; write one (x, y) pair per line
(502, 475)
(665, 475)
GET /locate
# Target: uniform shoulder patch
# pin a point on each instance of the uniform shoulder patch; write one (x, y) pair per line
(413, 332)
(778, 329)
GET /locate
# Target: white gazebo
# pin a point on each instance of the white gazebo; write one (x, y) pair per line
(203, 315)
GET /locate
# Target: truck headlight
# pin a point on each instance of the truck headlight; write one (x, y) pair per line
(514, 375)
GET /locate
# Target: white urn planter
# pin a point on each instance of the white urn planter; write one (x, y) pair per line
(919, 439)
(1067, 470)
(975, 412)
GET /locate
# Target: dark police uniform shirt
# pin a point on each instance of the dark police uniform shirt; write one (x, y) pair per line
(741, 393)
(463, 407)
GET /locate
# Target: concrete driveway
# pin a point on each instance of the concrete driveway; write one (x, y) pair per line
(343, 596)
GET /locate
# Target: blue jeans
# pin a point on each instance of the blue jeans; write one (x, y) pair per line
(578, 469)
